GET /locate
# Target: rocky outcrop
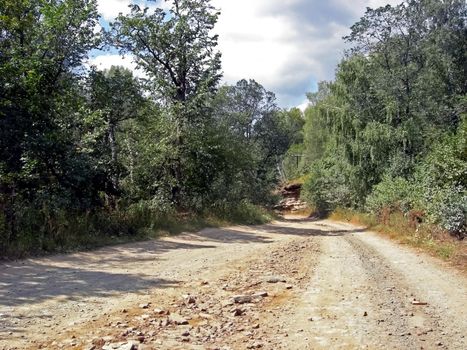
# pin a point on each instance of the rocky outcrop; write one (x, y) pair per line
(291, 198)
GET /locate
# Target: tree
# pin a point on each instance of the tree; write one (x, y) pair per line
(177, 52)
(118, 96)
(415, 50)
(42, 46)
(243, 105)
(250, 113)
(372, 137)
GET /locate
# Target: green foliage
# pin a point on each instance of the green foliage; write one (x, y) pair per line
(46, 232)
(441, 182)
(177, 51)
(438, 186)
(392, 193)
(42, 47)
(88, 156)
(389, 132)
(243, 212)
(327, 186)
(295, 164)
(259, 135)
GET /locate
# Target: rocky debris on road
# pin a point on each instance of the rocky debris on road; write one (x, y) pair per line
(159, 311)
(244, 299)
(291, 204)
(121, 346)
(177, 319)
(275, 279)
(209, 315)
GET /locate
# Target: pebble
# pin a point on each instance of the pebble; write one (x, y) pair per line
(189, 299)
(275, 279)
(238, 312)
(243, 299)
(177, 319)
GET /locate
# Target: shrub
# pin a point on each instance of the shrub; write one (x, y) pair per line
(440, 181)
(242, 212)
(392, 193)
(327, 186)
(447, 206)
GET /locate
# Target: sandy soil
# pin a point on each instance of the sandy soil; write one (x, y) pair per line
(293, 284)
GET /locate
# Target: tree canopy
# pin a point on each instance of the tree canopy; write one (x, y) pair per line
(399, 98)
(85, 152)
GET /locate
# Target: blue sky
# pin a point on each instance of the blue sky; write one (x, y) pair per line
(286, 45)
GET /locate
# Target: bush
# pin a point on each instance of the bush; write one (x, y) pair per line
(447, 207)
(438, 186)
(327, 186)
(42, 231)
(440, 181)
(392, 193)
(243, 212)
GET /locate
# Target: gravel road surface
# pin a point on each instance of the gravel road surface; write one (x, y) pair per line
(291, 284)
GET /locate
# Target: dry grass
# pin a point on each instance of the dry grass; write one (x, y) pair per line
(109, 228)
(425, 237)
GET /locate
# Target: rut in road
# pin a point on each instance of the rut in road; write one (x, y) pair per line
(293, 284)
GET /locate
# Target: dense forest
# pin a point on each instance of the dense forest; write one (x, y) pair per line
(389, 134)
(90, 153)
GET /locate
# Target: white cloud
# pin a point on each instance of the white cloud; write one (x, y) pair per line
(303, 106)
(286, 45)
(103, 62)
(109, 9)
(97, 28)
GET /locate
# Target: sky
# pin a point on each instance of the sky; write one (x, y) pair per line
(285, 45)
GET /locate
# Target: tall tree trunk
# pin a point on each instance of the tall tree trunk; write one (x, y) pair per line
(177, 168)
(113, 152)
(114, 177)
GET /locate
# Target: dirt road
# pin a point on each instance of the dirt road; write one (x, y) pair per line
(293, 284)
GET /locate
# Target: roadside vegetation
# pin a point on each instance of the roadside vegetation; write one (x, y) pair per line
(86, 232)
(89, 157)
(427, 237)
(388, 137)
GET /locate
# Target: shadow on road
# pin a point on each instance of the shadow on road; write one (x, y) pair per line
(304, 232)
(115, 270)
(31, 283)
(237, 234)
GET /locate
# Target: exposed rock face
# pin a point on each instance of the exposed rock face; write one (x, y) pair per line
(291, 201)
(291, 191)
